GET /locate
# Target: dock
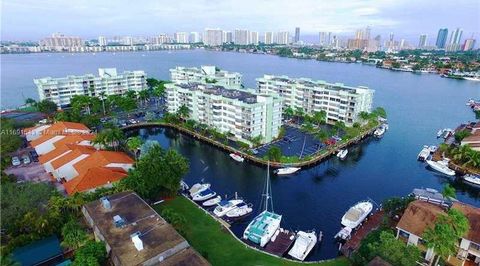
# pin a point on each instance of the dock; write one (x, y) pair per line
(282, 243)
(370, 225)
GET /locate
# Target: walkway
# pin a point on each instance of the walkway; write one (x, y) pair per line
(370, 225)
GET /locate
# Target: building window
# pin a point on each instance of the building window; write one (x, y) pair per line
(403, 234)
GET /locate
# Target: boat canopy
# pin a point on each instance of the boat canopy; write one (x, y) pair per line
(354, 214)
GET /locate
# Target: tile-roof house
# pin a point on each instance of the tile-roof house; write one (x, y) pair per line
(470, 244)
(63, 167)
(473, 140)
(94, 178)
(61, 133)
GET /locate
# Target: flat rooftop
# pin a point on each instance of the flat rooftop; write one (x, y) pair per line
(212, 89)
(311, 83)
(158, 237)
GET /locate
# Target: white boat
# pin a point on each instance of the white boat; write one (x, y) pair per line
(287, 170)
(439, 133)
(472, 180)
(344, 233)
(237, 157)
(198, 188)
(304, 243)
(212, 202)
(433, 148)
(424, 153)
(204, 195)
(184, 186)
(356, 214)
(441, 166)
(225, 206)
(470, 102)
(242, 209)
(472, 78)
(342, 154)
(379, 132)
(263, 227)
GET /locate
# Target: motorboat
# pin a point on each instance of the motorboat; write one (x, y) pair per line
(439, 133)
(287, 170)
(199, 187)
(344, 233)
(241, 210)
(212, 201)
(204, 195)
(379, 132)
(441, 166)
(356, 214)
(304, 243)
(342, 154)
(472, 180)
(470, 102)
(263, 227)
(424, 153)
(433, 148)
(237, 157)
(225, 206)
(472, 78)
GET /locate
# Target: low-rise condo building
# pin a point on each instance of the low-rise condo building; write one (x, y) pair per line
(340, 102)
(243, 114)
(108, 82)
(206, 74)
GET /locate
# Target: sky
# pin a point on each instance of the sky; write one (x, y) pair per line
(35, 19)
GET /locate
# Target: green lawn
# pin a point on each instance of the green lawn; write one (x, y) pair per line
(217, 245)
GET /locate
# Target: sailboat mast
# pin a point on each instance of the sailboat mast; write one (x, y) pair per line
(267, 190)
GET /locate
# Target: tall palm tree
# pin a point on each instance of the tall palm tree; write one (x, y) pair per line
(319, 117)
(473, 158)
(288, 112)
(103, 97)
(133, 144)
(183, 112)
(143, 96)
(159, 91)
(299, 113)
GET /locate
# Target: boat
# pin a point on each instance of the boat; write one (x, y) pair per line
(356, 214)
(287, 170)
(433, 148)
(441, 166)
(379, 132)
(198, 188)
(263, 227)
(242, 209)
(344, 233)
(225, 206)
(204, 195)
(304, 243)
(472, 180)
(439, 133)
(472, 78)
(342, 154)
(424, 153)
(184, 186)
(470, 102)
(212, 201)
(237, 157)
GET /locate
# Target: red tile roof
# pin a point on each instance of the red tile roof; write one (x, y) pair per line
(76, 151)
(93, 178)
(102, 158)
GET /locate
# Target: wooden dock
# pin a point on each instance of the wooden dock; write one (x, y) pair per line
(370, 225)
(282, 243)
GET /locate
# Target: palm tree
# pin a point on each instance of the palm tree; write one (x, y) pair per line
(110, 137)
(103, 97)
(159, 91)
(364, 115)
(30, 102)
(131, 94)
(183, 112)
(473, 158)
(288, 112)
(133, 144)
(143, 96)
(319, 117)
(299, 113)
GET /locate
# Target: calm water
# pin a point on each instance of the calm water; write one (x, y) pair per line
(316, 198)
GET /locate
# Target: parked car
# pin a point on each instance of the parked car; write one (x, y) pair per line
(254, 151)
(26, 159)
(132, 121)
(34, 156)
(15, 161)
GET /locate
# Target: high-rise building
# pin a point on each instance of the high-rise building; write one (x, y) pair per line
(243, 114)
(469, 44)
(242, 37)
(161, 39)
(422, 43)
(227, 37)
(456, 36)
(195, 37)
(254, 37)
(61, 90)
(283, 37)
(59, 41)
(269, 37)
(213, 37)
(442, 38)
(127, 40)
(324, 38)
(204, 73)
(297, 34)
(102, 41)
(340, 102)
(181, 37)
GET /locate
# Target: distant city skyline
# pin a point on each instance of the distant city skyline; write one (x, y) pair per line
(90, 19)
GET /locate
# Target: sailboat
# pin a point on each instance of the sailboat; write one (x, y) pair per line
(263, 227)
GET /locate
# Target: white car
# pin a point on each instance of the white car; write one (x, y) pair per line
(26, 159)
(15, 161)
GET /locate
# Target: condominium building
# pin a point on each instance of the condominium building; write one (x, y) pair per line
(195, 37)
(254, 37)
(242, 37)
(181, 37)
(283, 37)
(227, 37)
(59, 41)
(108, 81)
(213, 37)
(269, 38)
(340, 102)
(206, 74)
(242, 114)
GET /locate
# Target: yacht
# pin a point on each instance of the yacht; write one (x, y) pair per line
(472, 180)
(204, 195)
(225, 206)
(242, 209)
(379, 132)
(262, 228)
(441, 166)
(342, 154)
(237, 157)
(424, 153)
(198, 188)
(286, 170)
(356, 214)
(212, 202)
(304, 243)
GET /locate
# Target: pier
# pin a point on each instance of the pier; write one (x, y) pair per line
(370, 225)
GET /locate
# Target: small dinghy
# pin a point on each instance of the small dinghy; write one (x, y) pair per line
(197, 188)
(356, 214)
(212, 202)
(441, 166)
(304, 243)
(225, 206)
(286, 170)
(342, 154)
(242, 209)
(237, 157)
(204, 195)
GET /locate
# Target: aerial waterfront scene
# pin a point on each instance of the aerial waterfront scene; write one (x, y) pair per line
(352, 139)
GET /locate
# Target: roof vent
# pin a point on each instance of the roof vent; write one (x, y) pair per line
(119, 221)
(106, 203)
(137, 241)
